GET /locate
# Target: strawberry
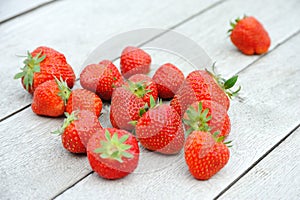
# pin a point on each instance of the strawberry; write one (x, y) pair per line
(204, 85)
(44, 64)
(205, 154)
(101, 78)
(207, 116)
(82, 99)
(113, 153)
(134, 61)
(249, 36)
(143, 86)
(125, 107)
(50, 98)
(160, 129)
(168, 79)
(77, 129)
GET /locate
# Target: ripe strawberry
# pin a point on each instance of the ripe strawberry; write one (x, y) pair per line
(134, 61)
(113, 153)
(125, 107)
(143, 86)
(204, 85)
(160, 129)
(82, 99)
(44, 64)
(249, 36)
(207, 115)
(77, 129)
(50, 98)
(205, 154)
(168, 79)
(101, 78)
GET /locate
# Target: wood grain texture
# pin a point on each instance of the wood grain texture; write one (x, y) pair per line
(33, 162)
(12, 8)
(269, 110)
(279, 18)
(277, 176)
(76, 28)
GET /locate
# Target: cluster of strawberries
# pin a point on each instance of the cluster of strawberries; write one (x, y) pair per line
(200, 102)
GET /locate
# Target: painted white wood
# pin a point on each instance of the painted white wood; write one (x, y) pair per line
(33, 162)
(75, 28)
(11, 8)
(280, 19)
(277, 176)
(270, 110)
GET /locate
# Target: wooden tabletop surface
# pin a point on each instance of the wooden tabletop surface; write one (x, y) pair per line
(265, 157)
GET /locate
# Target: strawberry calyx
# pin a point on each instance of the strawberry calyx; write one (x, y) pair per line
(234, 23)
(219, 139)
(197, 120)
(114, 147)
(32, 65)
(224, 84)
(64, 90)
(67, 121)
(138, 88)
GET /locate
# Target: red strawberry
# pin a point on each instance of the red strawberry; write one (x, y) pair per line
(207, 116)
(176, 105)
(143, 86)
(113, 153)
(160, 129)
(168, 79)
(44, 64)
(134, 61)
(249, 36)
(204, 85)
(82, 99)
(77, 129)
(125, 107)
(101, 78)
(205, 154)
(50, 97)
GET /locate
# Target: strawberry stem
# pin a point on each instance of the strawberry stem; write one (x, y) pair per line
(64, 90)
(67, 121)
(32, 65)
(197, 119)
(114, 147)
(225, 85)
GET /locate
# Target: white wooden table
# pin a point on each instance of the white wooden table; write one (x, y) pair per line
(265, 158)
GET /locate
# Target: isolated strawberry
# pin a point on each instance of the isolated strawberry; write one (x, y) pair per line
(249, 36)
(143, 86)
(113, 153)
(134, 61)
(77, 129)
(204, 85)
(101, 78)
(50, 98)
(44, 64)
(205, 154)
(160, 129)
(125, 107)
(82, 99)
(168, 79)
(207, 115)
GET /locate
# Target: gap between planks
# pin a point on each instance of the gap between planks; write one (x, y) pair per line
(27, 11)
(256, 162)
(259, 159)
(141, 44)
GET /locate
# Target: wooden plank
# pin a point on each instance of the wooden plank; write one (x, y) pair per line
(270, 109)
(76, 28)
(276, 177)
(210, 30)
(32, 160)
(12, 8)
